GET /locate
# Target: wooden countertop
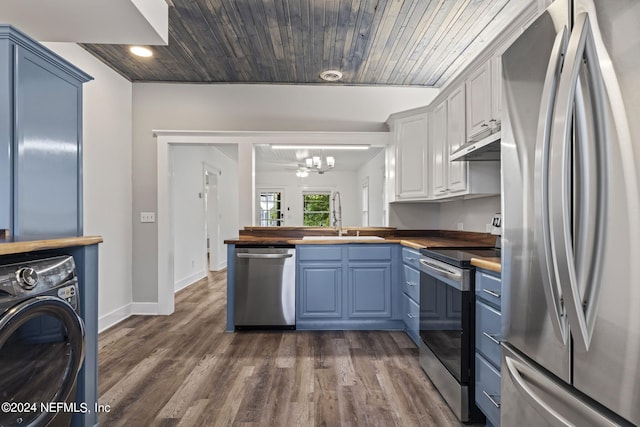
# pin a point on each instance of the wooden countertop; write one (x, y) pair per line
(412, 242)
(488, 263)
(14, 245)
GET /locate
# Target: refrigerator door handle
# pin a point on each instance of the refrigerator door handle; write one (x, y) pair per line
(552, 289)
(522, 375)
(581, 309)
(557, 405)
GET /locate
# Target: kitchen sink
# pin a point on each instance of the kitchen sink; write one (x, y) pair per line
(342, 238)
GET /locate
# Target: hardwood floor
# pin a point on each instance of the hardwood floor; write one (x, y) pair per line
(184, 370)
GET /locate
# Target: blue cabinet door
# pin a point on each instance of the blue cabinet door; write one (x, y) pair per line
(47, 179)
(370, 290)
(320, 290)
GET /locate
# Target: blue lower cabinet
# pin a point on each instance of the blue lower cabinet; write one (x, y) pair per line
(320, 291)
(488, 332)
(488, 389)
(488, 351)
(411, 319)
(344, 287)
(370, 290)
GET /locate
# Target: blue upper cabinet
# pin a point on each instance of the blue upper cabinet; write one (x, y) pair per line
(40, 139)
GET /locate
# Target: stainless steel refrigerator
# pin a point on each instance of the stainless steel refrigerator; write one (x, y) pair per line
(571, 217)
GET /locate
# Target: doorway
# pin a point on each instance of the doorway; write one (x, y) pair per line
(211, 215)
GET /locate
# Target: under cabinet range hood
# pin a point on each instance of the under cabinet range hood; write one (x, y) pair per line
(485, 149)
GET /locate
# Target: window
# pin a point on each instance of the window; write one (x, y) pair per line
(316, 211)
(270, 209)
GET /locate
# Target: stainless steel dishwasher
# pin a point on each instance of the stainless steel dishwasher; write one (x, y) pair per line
(265, 287)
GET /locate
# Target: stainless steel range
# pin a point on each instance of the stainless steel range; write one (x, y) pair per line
(447, 325)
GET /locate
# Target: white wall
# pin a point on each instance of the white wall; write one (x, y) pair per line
(245, 108)
(373, 171)
(474, 214)
(414, 216)
(107, 162)
(343, 181)
(189, 246)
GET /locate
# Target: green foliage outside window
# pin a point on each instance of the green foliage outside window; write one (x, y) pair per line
(316, 210)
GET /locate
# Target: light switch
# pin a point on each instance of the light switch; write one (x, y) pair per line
(147, 217)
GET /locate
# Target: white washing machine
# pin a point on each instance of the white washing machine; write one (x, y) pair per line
(41, 342)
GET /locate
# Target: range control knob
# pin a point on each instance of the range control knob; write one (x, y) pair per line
(27, 277)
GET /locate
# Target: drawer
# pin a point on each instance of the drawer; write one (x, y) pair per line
(488, 389)
(489, 287)
(411, 317)
(370, 252)
(411, 282)
(488, 331)
(319, 252)
(411, 257)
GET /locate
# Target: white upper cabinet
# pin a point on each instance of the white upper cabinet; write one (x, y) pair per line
(439, 152)
(479, 101)
(484, 100)
(412, 155)
(496, 89)
(457, 177)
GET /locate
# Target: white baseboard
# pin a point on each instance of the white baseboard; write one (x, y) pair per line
(144, 308)
(222, 265)
(114, 317)
(189, 280)
(118, 315)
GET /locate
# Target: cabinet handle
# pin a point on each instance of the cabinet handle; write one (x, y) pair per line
(411, 259)
(484, 125)
(411, 283)
(491, 337)
(411, 316)
(491, 398)
(442, 191)
(493, 294)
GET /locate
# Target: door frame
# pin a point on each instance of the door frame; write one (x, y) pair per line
(213, 217)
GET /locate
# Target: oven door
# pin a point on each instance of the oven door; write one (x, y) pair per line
(446, 324)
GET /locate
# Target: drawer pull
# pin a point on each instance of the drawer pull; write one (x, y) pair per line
(492, 338)
(491, 398)
(411, 283)
(493, 294)
(410, 259)
(411, 316)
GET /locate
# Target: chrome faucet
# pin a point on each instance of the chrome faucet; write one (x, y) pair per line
(337, 215)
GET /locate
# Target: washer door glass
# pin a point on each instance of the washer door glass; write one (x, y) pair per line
(41, 352)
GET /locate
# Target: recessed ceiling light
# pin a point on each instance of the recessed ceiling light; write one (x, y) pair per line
(331, 75)
(141, 51)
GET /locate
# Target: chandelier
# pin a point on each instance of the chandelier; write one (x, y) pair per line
(314, 164)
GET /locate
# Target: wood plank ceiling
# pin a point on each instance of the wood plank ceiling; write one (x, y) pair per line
(372, 42)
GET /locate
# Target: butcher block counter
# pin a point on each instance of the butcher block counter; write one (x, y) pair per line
(416, 239)
(488, 263)
(9, 245)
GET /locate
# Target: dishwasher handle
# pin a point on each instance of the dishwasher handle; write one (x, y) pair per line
(264, 256)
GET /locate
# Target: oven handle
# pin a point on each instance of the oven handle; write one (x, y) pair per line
(451, 274)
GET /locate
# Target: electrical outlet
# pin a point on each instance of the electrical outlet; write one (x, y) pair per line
(147, 217)
(460, 226)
